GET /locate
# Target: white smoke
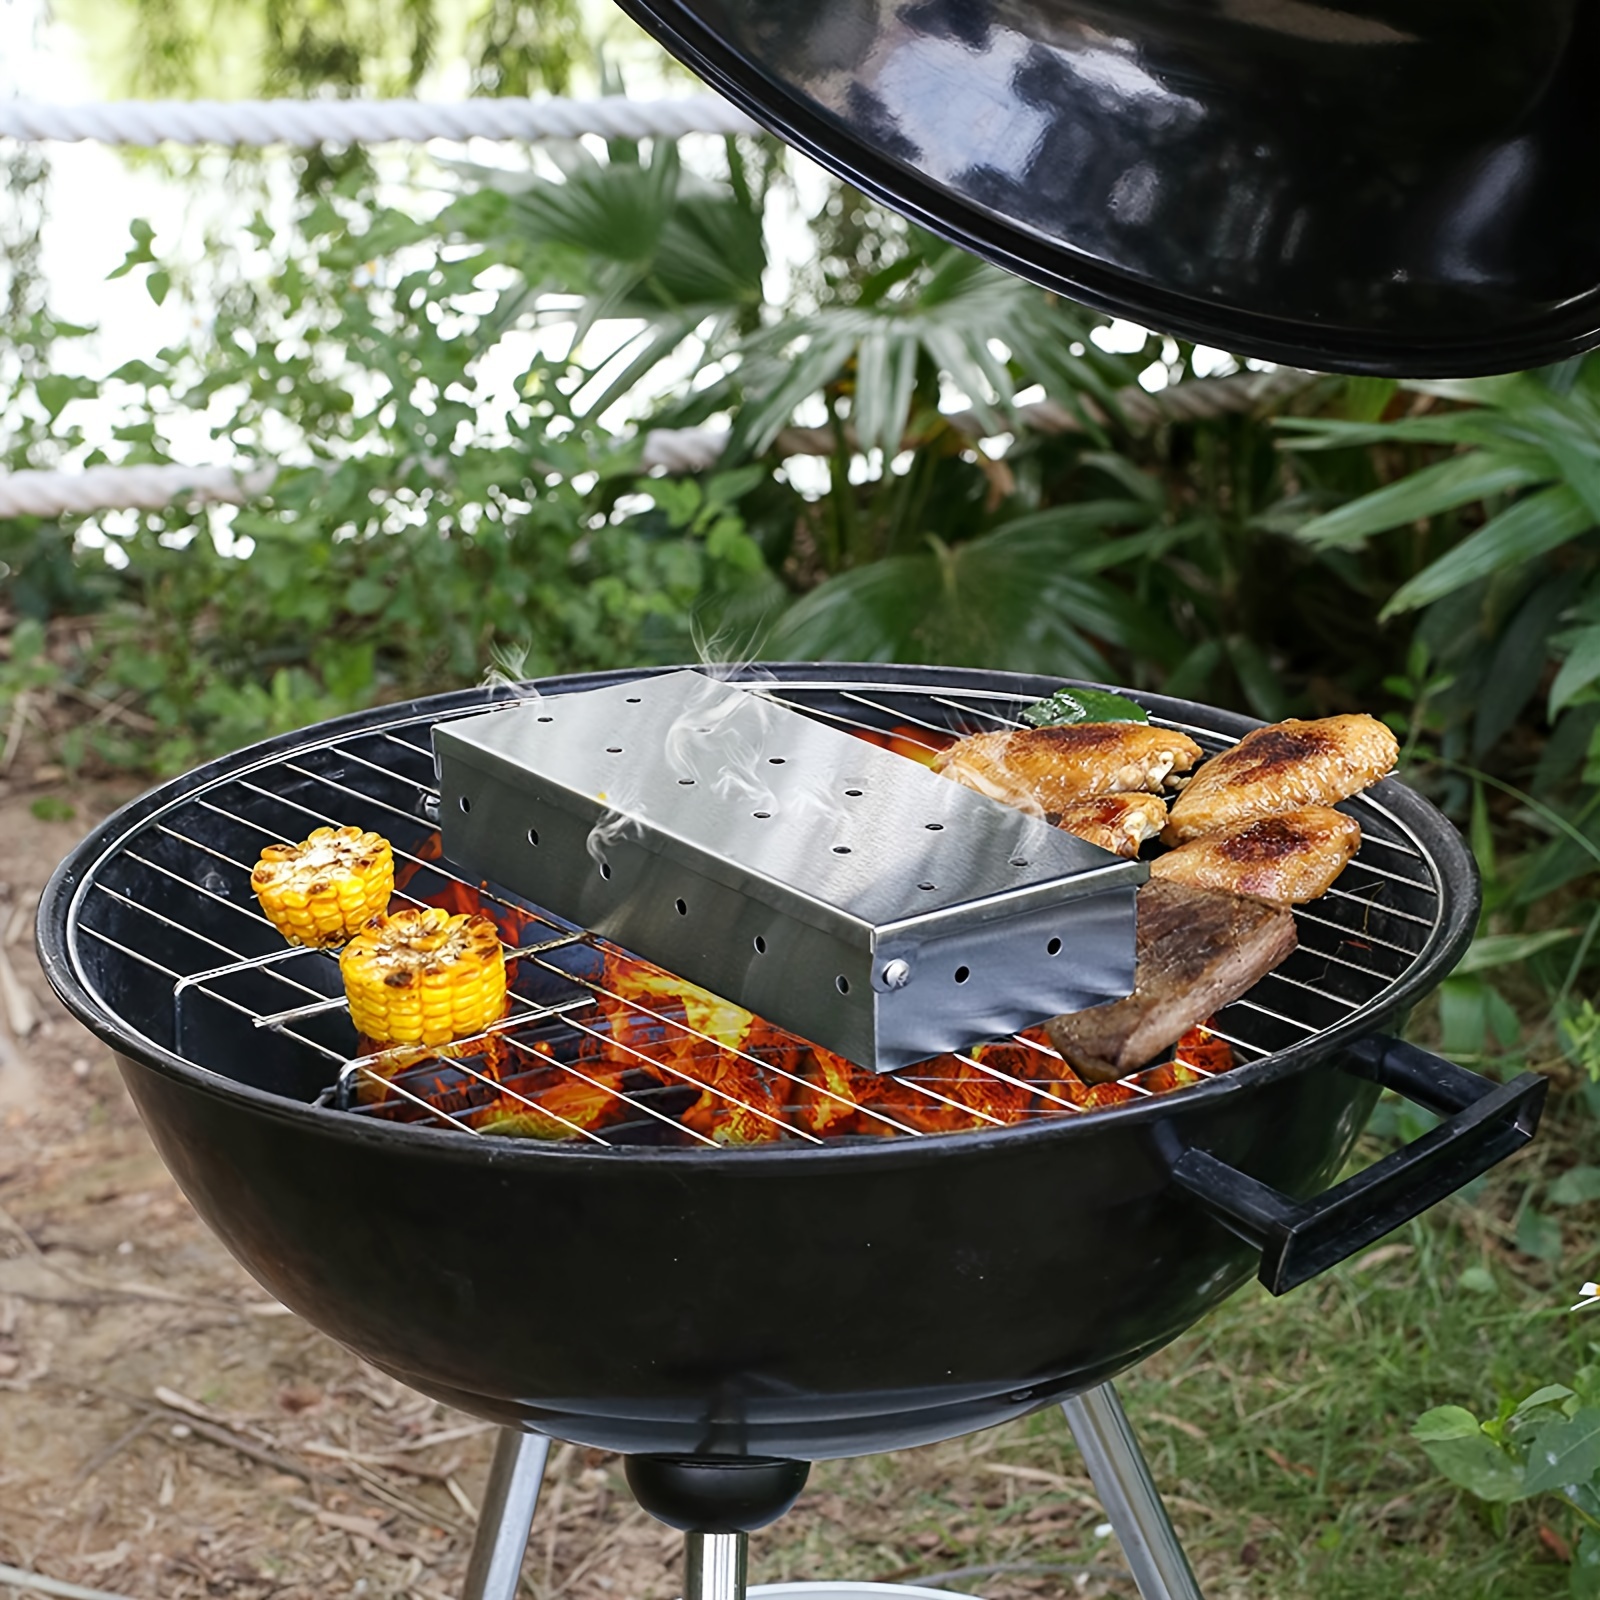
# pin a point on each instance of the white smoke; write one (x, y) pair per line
(508, 671)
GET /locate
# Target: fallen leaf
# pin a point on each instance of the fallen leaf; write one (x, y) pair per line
(1384, 1252)
(1180, 1424)
(1555, 1544)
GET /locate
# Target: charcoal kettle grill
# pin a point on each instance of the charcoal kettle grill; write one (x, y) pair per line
(724, 1314)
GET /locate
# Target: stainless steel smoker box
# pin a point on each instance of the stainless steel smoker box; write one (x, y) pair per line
(839, 890)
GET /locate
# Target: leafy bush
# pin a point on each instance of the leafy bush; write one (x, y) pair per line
(404, 540)
(923, 458)
(1508, 593)
(1546, 1444)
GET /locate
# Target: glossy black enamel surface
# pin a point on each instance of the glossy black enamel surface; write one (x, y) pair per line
(1408, 187)
(772, 1301)
(783, 1303)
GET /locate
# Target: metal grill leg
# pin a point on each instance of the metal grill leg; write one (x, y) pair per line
(714, 1565)
(506, 1515)
(1133, 1504)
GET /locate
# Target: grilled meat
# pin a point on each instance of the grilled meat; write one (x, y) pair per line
(1282, 768)
(1116, 822)
(1197, 950)
(1042, 770)
(1287, 859)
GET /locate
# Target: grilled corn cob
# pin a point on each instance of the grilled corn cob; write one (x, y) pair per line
(320, 891)
(424, 977)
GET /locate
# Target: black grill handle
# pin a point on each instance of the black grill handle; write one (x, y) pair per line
(1484, 1122)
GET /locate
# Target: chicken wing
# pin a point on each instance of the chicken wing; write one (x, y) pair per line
(1043, 770)
(1116, 822)
(1281, 768)
(1286, 859)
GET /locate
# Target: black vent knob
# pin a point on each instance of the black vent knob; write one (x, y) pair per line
(709, 1494)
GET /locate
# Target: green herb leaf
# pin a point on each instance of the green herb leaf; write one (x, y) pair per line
(1067, 706)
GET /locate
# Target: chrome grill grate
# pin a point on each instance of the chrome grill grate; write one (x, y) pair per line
(173, 903)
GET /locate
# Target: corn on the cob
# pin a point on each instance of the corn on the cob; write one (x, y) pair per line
(425, 977)
(320, 891)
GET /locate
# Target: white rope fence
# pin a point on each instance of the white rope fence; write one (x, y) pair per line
(315, 122)
(671, 450)
(139, 488)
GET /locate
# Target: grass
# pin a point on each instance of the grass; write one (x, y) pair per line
(1278, 1431)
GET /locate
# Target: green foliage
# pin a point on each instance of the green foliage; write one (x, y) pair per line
(1494, 588)
(404, 541)
(183, 49)
(404, 544)
(1545, 1444)
(1018, 597)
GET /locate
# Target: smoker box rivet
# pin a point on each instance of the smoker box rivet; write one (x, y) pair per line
(897, 974)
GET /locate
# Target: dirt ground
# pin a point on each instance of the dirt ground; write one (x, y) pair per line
(168, 1431)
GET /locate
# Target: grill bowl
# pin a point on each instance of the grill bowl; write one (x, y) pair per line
(774, 1300)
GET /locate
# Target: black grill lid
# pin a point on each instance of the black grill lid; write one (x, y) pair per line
(1400, 187)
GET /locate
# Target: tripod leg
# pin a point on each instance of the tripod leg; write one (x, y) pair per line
(507, 1514)
(1133, 1505)
(714, 1566)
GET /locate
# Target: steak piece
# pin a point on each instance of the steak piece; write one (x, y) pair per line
(1197, 950)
